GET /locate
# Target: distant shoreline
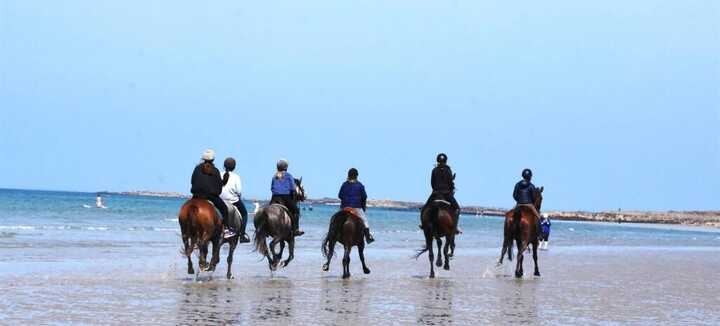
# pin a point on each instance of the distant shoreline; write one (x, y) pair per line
(697, 218)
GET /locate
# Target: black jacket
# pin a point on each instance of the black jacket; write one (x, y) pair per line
(524, 192)
(442, 180)
(206, 184)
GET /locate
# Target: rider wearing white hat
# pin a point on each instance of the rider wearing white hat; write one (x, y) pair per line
(207, 184)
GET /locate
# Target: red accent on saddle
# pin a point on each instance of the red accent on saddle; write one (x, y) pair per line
(351, 211)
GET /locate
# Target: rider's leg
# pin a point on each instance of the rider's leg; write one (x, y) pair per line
(243, 221)
(456, 207)
(295, 212)
(361, 213)
(427, 203)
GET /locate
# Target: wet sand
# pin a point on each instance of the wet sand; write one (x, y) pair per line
(582, 285)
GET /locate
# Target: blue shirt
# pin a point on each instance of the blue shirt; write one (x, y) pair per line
(352, 194)
(545, 225)
(284, 186)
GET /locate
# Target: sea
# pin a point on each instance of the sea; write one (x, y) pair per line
(65, 262)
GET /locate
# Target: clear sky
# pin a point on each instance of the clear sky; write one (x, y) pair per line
(613, 104)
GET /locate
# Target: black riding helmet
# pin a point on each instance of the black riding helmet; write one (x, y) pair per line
(442, 158)
(229, 164)
(353, 174)
(527, 174)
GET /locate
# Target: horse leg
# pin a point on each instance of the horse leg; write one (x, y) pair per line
(291, 252)
(203, 256)
(273, 261)
(331, 247)
(346, 262)
(215, 254)
(520, 257)
(431, 256)
(438, 263)
(448, 241)
(535, 250)
(452, 248)
(188, 253)
(233, 243)
(282, 249)
(361, 252)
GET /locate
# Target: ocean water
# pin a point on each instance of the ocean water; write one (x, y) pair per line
(62, 262)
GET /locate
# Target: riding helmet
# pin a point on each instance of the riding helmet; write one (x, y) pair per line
(442, 158)
(527, 174)
(282, 165)
(229, 164)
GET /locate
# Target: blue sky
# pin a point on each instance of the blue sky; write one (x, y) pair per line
(613, 104)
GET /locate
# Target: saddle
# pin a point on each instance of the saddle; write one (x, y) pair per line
(283, 207)
(352, 213)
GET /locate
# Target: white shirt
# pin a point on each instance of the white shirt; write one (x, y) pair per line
(232, 190)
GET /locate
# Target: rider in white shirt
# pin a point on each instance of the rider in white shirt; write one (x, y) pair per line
(232, 193)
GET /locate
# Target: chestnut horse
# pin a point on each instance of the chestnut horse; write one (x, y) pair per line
(200, 226)
(347, 229)
(521, 225)
(437, 222)
(274, 221)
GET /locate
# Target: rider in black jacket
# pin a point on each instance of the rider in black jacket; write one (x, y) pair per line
(524, 192)
(207, 183)
(443, 185)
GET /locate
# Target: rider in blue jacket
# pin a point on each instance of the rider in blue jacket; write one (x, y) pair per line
(283, 192)
(352, 195)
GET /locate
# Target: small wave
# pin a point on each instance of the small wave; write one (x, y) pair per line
(170, 219)
(16, 227)
(96, 228)
(7, 235)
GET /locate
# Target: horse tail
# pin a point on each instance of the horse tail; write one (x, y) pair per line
(421, 251)
(433, 214)
(260, 233)
(336, 223)
(194, 229)
(517, 216)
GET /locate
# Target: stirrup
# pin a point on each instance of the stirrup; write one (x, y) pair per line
(227, 234)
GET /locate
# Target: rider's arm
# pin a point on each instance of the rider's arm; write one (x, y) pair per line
(363, 196)
(515, 191)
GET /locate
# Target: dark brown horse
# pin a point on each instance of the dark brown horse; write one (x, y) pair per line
(200, 226)
(521, 226)
(437, 222)
(347, 229)
(274, 221)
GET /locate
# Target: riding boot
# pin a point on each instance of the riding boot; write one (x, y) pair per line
(368, 237)
(296, 226)
(243, 238)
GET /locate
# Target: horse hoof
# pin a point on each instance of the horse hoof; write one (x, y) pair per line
(518, 275)
(230, 277)
(346, 276)
(366, 271)
(446, 267)
(191, 271)
(432, 275)
(438, 264)
(537, 274)
(326, 268)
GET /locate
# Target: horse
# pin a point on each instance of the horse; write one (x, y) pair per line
(201, 225)
(274, 221)
(521, 225)
(347, 229)
(437, 222)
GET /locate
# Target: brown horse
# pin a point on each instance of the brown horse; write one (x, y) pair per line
(437, 222)
(347, 229)
(521, 225)
(200, 226)
(274, 221)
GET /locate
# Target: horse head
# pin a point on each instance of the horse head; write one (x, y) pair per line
(539, 197)
(299, 190)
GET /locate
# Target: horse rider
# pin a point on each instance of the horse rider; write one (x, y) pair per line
(231, 193)
(283, 192)
(353, 196)
(207, 184)
(524, 193)
(442, 181)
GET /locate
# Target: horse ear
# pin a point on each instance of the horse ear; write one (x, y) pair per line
(454, 174)
(300, 180)
(542, 188)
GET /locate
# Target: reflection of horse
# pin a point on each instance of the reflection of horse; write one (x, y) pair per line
(521, 225)
(347, 229)
(274, 221)
(201, 225)
(437, 222)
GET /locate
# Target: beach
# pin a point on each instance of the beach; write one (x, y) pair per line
(63, 263)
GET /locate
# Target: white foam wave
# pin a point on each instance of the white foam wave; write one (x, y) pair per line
(16, 227)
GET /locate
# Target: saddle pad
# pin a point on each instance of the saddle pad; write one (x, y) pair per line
(440, 201)
(351, 211)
